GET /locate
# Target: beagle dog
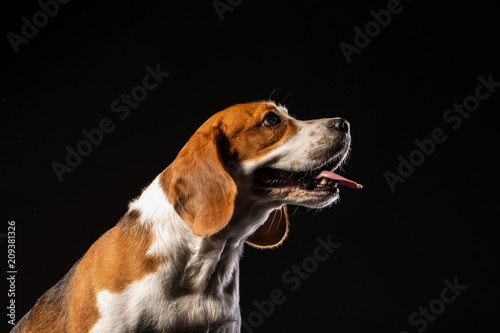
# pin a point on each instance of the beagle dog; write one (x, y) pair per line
(171, 264)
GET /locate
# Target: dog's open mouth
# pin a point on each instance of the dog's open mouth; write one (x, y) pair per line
(319, 179)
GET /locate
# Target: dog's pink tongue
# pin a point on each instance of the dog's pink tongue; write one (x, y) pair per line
(342, 181)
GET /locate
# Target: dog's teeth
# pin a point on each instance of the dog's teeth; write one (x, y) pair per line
(324, 181)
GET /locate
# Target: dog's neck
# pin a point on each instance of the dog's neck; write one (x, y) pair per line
(214, 266)
(197, 264)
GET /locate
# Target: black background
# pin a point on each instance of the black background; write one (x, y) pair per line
(396, 247)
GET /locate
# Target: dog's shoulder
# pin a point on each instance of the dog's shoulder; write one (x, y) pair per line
(50, 311)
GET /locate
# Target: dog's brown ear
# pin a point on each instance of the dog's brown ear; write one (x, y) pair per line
(200, 189)
(273, 232)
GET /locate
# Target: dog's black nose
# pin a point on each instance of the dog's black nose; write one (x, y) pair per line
(340, 124)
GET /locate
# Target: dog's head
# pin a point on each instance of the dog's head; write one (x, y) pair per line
(258, 152)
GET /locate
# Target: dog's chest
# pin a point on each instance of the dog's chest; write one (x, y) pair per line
(151, 305)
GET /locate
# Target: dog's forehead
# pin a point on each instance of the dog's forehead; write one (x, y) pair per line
(281, 109)
(258, 109)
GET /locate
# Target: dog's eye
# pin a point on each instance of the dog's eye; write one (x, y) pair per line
(271, 120)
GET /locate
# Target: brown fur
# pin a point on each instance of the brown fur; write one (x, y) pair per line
(201, 190)
(113, 262)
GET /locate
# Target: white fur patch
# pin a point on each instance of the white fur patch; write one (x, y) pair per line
(149, 300)
(169, 230)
